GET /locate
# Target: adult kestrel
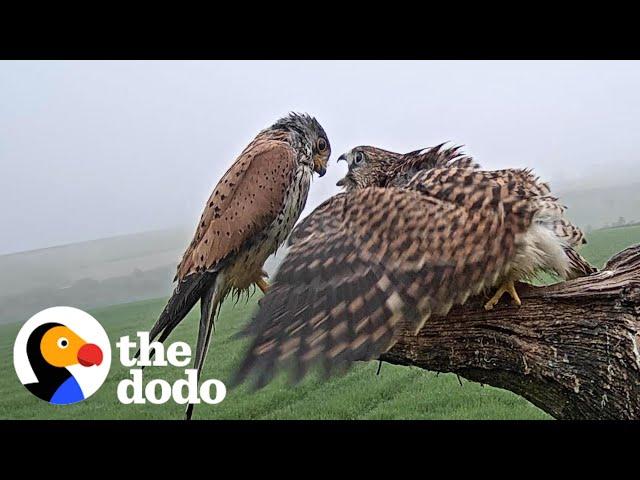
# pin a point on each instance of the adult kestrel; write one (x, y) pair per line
(412, 235)
(250, 213)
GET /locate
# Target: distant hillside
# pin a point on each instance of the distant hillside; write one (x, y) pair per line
(89, 274)
(597, 207)
(93, 274)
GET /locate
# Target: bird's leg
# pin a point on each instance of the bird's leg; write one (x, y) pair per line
(262, 284)
(507, 287)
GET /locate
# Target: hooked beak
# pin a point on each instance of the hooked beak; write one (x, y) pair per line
(319, 166)
(340, 182)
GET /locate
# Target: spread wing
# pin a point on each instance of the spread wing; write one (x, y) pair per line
(369, 260)
(321, 218)
(245, 201)
(426, 160)
(437, 157)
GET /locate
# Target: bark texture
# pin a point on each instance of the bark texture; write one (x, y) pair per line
(572, 349)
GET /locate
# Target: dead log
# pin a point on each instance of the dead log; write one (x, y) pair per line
(572, 348)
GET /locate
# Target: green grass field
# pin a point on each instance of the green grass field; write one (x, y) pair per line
(397, 393)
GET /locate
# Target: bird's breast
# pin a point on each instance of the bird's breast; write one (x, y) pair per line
(252, 256)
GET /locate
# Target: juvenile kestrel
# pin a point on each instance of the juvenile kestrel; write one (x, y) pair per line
(412, 235)
(250, 213)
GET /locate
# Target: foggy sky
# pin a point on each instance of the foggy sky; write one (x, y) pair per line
(94, 149)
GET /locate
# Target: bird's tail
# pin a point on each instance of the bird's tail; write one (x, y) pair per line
(184, 297)
(209, 306)
(208, 287)
(578, 266)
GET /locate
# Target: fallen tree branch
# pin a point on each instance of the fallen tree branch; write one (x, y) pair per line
(572, 349)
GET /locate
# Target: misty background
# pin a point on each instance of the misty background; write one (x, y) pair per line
(105, 166)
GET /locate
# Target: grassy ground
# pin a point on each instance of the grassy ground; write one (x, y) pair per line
(397, 393)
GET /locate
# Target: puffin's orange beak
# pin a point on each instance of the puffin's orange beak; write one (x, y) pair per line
(89, 354)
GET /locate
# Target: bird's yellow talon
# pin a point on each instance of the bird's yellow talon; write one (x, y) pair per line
(507, 287)
(511, 289)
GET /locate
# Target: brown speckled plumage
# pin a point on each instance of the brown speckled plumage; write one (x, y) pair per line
(413, 235)
(248, 216)
(247, 198)
(374, 167)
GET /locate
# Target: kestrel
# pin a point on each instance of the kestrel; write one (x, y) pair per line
(248, 216)
(412, 236)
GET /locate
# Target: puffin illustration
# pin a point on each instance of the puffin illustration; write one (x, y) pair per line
(51, 348)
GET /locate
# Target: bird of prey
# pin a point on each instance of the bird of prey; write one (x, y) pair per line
(375, 167)
(248, 216)
(411, 236)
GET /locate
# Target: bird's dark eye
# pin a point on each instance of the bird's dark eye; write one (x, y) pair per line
(322, 144)
(358, 158)
(63, 342)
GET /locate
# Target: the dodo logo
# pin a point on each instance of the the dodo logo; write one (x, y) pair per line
(62, 355)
